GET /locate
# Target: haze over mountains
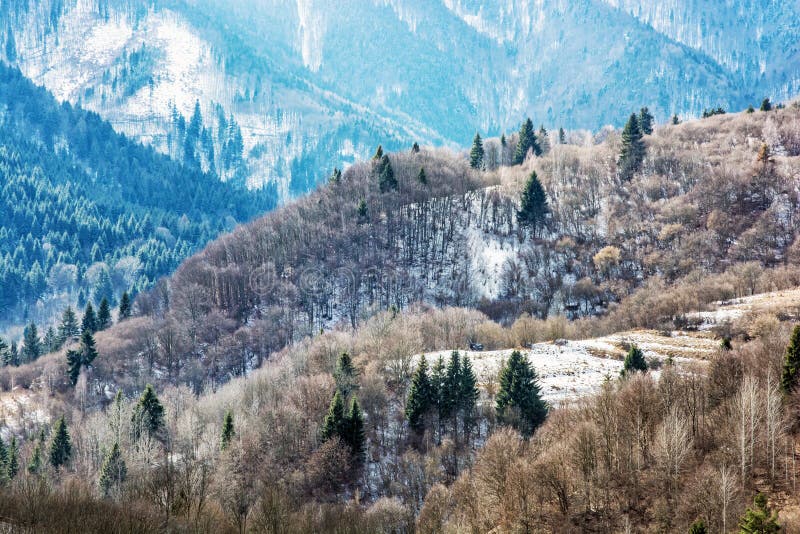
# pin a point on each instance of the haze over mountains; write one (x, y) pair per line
(288, 89)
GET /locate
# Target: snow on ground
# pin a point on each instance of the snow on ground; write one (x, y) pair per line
(19, 411)
(785, 301)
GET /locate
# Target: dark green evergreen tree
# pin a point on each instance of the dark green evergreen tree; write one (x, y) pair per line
(420, 398)
(633, 149)
(544, 140)
(386, 178)
(422, 177)
(61, 445)
(68, 330)
(562, 136)
(345, 375)
(725, 344)
(698, 527)
(32, 348)
(363, 210)
(519, 402)
(50, 342)
(13, 354)
(336, 176)
(103, 315)
(438, 373)
(148, 415)
(124, 306)
(750, 109)
(791, 362)
(766, 105)
(13, 459)
(113, 471)
(759, 519)
(527, 142)
(355, 436)
(415, 148)
(5, 353)
(378, 153)
(84, 356)
(645, 121)
(89, 323)
(634, 361)
(675, 119)
(35, 463)
(449, 395)
(335, 422)
(533, 205)
(468, 395)
(227, 430)
(476, 153)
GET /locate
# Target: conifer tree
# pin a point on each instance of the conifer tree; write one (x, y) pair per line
(386, 178)
(68, 330)
(32, 348)
(13, 459)
(3, 457)
(675, 119)
(759, 519)
(35, 463)
(633, 149)
(103, 315)
(345, 375)
(544, 140)
(61, 445)
(527, 141)
(476, 153)
(336, 176)
(378, 153)
(334, 423)
(84, 356)
(113, 471)
(562, 136)
(750, 109)
(422, 177)
(451, 389)
(50, 342)
(468, 397)
(791, 363)
(89, 323)
(698, 527)
(227, 430)
(533, 204)
(766, 105)
(124, 307)
(420, 398)
(13, 354)
(5, 353)
(634, 361)
(645, 121)
(438, 373)
(519, 402)
(415, 148)
(362, 209)
(74, 364)
(354, 430)
(148, 415)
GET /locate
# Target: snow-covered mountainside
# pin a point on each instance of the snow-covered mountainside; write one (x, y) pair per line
(288, 89)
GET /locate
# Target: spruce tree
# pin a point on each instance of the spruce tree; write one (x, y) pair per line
(3, 457)
(113, 471)
(13, 459)
(415, 148)
(766, 105)
(519, 402)
(386, 178)
(698, 527)
(85, 355)
(362, 209)
(124, 307)
(562, 136)
(227, 430)
(759, 519)
(675, 119)
(527, 141)
(633, 149)
(32, 348)
(354, 430)
(438, 373)
(378, 153)
(544, 140)
(336, 176)
(791, 362)
(533, 204)
(422, 177)
(420, 398)
(345, 375)
(750, 109)
(61, 445)
(68, 330)
(35, 463)
(476, 153)
(50, 342)
(148, 415)
(103, 315)
(451, 389)
(74, 364)
(334, 423)
(5, 353)
(468, 395)
(13, 354)
(645, 121)
(634, 361)
(89, 323)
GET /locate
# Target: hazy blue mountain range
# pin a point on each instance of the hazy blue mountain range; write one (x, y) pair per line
(288, 89)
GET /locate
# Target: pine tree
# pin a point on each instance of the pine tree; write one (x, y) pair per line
(759, 519)
(336, 176)
(415, 148)
(345, 375)
(5, 353)
(791, 363)
(766, 105)
(61, 445)
(633, 149)
(124, 307)
(468, 395)
(527, 141)
(675, 119)
(32, 348)
(645, 121)
(50, 342)
(103, 315)
(533, 204)
(519, 401)
(750, 109)
(420, 398)
(422, 177)
(544, 140)
(451, 389)
(3, 457)
(35, 463)
(354, 430)
(386, 178)
(476, 153)
(89, 323)
(84, 356)
(362, 209)
(13, 459)
(378, 153)
(148, 415)
(227, 430)
(438, 373)
(113, 471)
(13, 354)
(634, 361)
(334, 423)
(68, 330)
(74, 364)
(698, 527)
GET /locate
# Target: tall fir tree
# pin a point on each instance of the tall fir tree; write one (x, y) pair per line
(790, 374)
(13, 354)
(124, 307)
(334, 423)
(544, 140)
(438, 373)
(533, 205)
(378, 153)
(645, 121)
(113, 472)
(228, 431)
(68, 330)
(526, 142)
(345, 375)
(50, 342)
(32, 348)
(89, 323)
(148, 415)
(634, 361)
(476, 154)
(12, 466)
(451, 389)
(422, 177)
(759, 519)
(5, 353)
(420, 398)
(468, 397)
(675, 119)
(386, 178)
(415, 148)
(103, 315)
(61, 445)
(766, 105)
(519, 402)
(355, 435)
(83, 356)
(633, 149)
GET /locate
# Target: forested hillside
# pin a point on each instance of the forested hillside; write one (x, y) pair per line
(87, 213)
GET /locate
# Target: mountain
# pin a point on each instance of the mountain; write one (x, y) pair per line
(288, 89)
(88, 213)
